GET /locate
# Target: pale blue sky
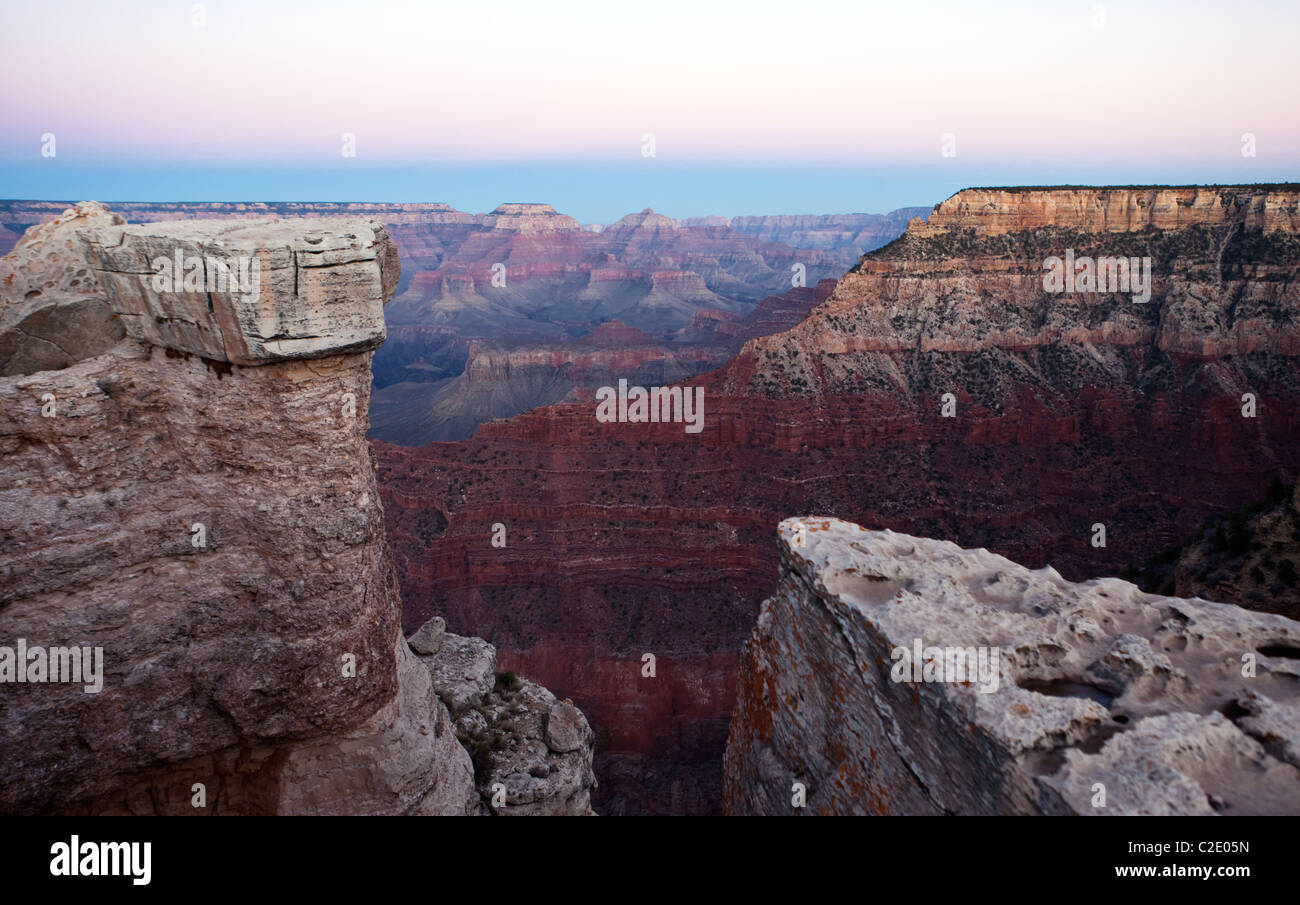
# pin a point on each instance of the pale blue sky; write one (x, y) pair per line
(755, 106)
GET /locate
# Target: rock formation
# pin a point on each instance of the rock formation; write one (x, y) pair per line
(998, 211)
(531, 752)
(196, 501)
(1045, 696)
(1068, 411)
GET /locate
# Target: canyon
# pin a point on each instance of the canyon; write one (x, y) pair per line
(843, 236)
(475, 288)
(506, 378)
(188, 494)
(561, 610)
(1067, 412)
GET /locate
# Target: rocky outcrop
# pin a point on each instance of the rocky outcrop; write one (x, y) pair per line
(248, 293)
(1066, 412)
(528, 218)
(194, 509)
(898, 675)
(52, 313)
(532, 753)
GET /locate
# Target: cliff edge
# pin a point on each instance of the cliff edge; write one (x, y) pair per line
(892, 674)
(198, 607)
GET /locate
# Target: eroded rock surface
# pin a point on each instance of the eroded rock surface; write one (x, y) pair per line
(199, 504)
(249, 292)
(52, 313)
(1099, 698)
(532, 753)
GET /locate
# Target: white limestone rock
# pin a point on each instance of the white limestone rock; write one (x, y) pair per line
(1168, 705)
(249, 292)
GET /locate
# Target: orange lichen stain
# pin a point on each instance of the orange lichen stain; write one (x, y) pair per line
(1017, 709)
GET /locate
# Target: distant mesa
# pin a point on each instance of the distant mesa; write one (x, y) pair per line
(646, 219)
(529, 217)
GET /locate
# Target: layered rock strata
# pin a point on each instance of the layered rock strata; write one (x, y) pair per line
(1045, 696)
(843, 236)
(997, 211)
(193, 508)
(1068, 411)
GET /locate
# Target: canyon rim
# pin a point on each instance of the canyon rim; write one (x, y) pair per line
(686, 409)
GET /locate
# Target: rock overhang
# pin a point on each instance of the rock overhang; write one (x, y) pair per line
(248, 293)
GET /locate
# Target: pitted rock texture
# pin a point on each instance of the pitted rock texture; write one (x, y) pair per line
(1105, 699)
(49, 258)
(249, 292)
(52, 313)
(532, 753)
(215, 528)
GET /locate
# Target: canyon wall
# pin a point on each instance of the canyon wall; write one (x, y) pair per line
(997, 211)
(504, 378)
(898, 675)
(1067, 411)
(843, 236)
(188, 499)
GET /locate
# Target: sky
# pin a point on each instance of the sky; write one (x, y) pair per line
(602, 108)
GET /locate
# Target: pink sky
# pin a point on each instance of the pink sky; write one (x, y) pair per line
(733, 81)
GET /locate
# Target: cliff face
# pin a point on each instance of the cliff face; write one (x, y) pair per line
(992, 212)
(503, 379)
(896, 675)
(197, 503)
(1067, 411)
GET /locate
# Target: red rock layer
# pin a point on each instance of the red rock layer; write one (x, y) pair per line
(627, 539)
